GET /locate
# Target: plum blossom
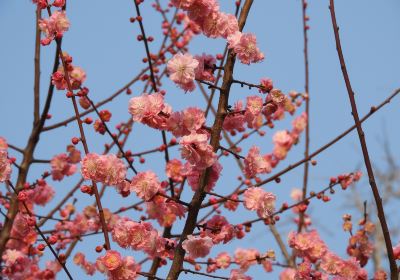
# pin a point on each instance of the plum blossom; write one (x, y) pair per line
(196, 150)
(61, 165)
(145, 185)
(5, 166)
(174, 170)
(197, 246)
(245, 47)
(54, 27)
(259, 200)
(255, 163)
(193, 176)
(181, 69)
(107, 169)
(116, 267)
(150, 109)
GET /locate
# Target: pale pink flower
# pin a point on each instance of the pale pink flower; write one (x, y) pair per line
(3, 144)
(197, 246)
(287, 274)
(42, 193)
(77, 77)
(246, 257)
(5, 166)
(107, 169)
(227, 25)
(183, 4)
(255, 163)
(145, 185)
(283, 138)
(222, 230)
(296, 194)
(235, 120)
(193, 176)
(254, 108)
(238, 274)
(223, 260)
(210, 25)
(61, 166)
(205, 69)
(116, 267)
(149, 109)
(174, 169)
(245, 47)
(181, 69)
(54, 27)
(266, 84)
(164, 210)
(202, 9)
(308, 245)
(196, 150)
(257, 199)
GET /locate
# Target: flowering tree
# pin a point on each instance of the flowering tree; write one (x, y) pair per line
(177, 216)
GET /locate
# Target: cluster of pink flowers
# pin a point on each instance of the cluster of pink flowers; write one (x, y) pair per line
(107, 169)
(141, 236)
(185, 122)
(76, 75)
(193, 174)
(5, 166)
(41, 194)
(165, 211)
(196, 150)
(257, 199)
(197, 246)
(214, 24)
(219, 229)
(116, 267)
(181, 69)
(64, 165)
(150, 109)
(145, 185)
(256, 164)
(273, 108)
(245, 47)
(54, 26)
(42, 4)
(312, 249)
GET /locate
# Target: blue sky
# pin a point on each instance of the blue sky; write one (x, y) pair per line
(103, 42)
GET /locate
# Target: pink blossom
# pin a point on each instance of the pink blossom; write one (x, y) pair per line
(182, 68)
(42, 193)
(255, 163)
(145, 185)
(308, 245)
(3, 144)
(54, 27)
(266, 84)
(223, 260)
(259, 200)
(61, 166)
(116, 267)
(246, 257)
(222, 230)
(205, 69)
(202, 9)
(237, 274)
(5, 167)
(196, 150)
(245, 47)
(197, 246)
(183, 4)
(174, 170)
(193, 176)
(77, 76)
(59, 3)
(287, 274)
(210, 25)
(235, 120)
(111, 260)
(107, 169)
(149, 109)
(227, 25)
(164, 210)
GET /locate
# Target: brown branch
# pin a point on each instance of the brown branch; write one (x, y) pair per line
(306, 87)
(26, 162)
(199, 195)
(363, 143)
(36, 86)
